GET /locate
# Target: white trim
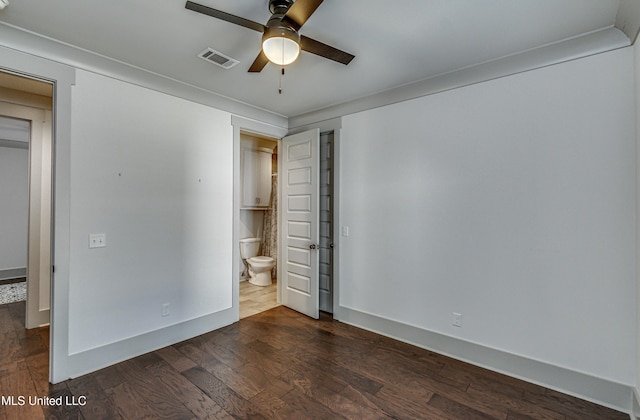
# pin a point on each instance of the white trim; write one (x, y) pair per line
(628, 18)
(259, 127)
(64, 77)
(583, 46)
(58, 51)
(635, 407)
(13, 273)
(97, 358)
(591, 388)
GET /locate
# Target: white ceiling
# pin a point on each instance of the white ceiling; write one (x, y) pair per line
(395, 42)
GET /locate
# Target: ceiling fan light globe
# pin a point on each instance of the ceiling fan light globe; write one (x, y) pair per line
(281, 50)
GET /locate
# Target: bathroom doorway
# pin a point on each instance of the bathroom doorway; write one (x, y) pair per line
(246, 223)
(258, 223)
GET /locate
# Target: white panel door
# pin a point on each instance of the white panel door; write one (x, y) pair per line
(299, 221)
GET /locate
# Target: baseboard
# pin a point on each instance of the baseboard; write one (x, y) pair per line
(635, 408)
(598, 390)
(94, 359)
(42, 319)
(13, 273)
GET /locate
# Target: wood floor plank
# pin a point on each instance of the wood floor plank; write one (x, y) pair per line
(240, 384)
(182, 389)
(38, 365)
(400, 404)
(99, 405)
(224, 396)
(144, 396)
(269, 404)
(19, 384)
(459, 410)
(300, 406)
(515, 406)
(6, 321)
(228, 353)
(573, 408)
(176, 359)
(66, 410)
(329, 367)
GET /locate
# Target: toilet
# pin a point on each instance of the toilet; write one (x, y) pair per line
(259, 267)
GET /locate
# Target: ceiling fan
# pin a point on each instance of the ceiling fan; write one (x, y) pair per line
(281, 40)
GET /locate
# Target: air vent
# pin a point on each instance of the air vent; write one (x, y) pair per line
(218, 58)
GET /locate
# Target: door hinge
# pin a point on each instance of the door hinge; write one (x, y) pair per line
(53, 268)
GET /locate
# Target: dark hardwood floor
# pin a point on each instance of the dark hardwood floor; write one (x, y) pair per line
(277, 364)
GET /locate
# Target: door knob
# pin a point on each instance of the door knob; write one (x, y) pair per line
(313, 246)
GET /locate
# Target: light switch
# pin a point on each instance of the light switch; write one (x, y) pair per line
(97, 240)
(345, 230)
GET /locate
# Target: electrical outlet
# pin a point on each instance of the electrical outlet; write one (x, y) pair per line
(457, 319)
(164, 309)
(97, 240)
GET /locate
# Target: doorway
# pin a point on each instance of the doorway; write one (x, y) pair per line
(306, 259)
(26, 129)
(14, 208)
(258, 222)
(324, 164)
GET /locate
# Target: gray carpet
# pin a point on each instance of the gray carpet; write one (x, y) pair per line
(14, 292)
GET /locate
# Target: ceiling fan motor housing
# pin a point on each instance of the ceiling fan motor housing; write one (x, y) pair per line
(280, 28)
(279, 7)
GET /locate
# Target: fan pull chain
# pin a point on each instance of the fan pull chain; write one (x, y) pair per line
(282, 72)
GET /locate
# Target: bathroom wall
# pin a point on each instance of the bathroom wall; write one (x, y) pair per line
(509, 202)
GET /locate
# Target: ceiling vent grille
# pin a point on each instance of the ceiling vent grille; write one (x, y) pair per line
(217, 58)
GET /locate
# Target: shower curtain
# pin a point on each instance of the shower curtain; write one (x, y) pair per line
(270, 226)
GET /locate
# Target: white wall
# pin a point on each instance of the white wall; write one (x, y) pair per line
(508, 201)
(14, 207)
(155, 174)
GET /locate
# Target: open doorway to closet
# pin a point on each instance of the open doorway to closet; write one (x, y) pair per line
(26, 153)
(26, 130)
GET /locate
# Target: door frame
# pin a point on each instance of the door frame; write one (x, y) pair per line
(245, 125)
(263, 129)
(62, 77)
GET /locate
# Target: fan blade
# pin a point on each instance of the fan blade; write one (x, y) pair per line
(259, 63)
(324, 50)
(300, 11)
(218, 14)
